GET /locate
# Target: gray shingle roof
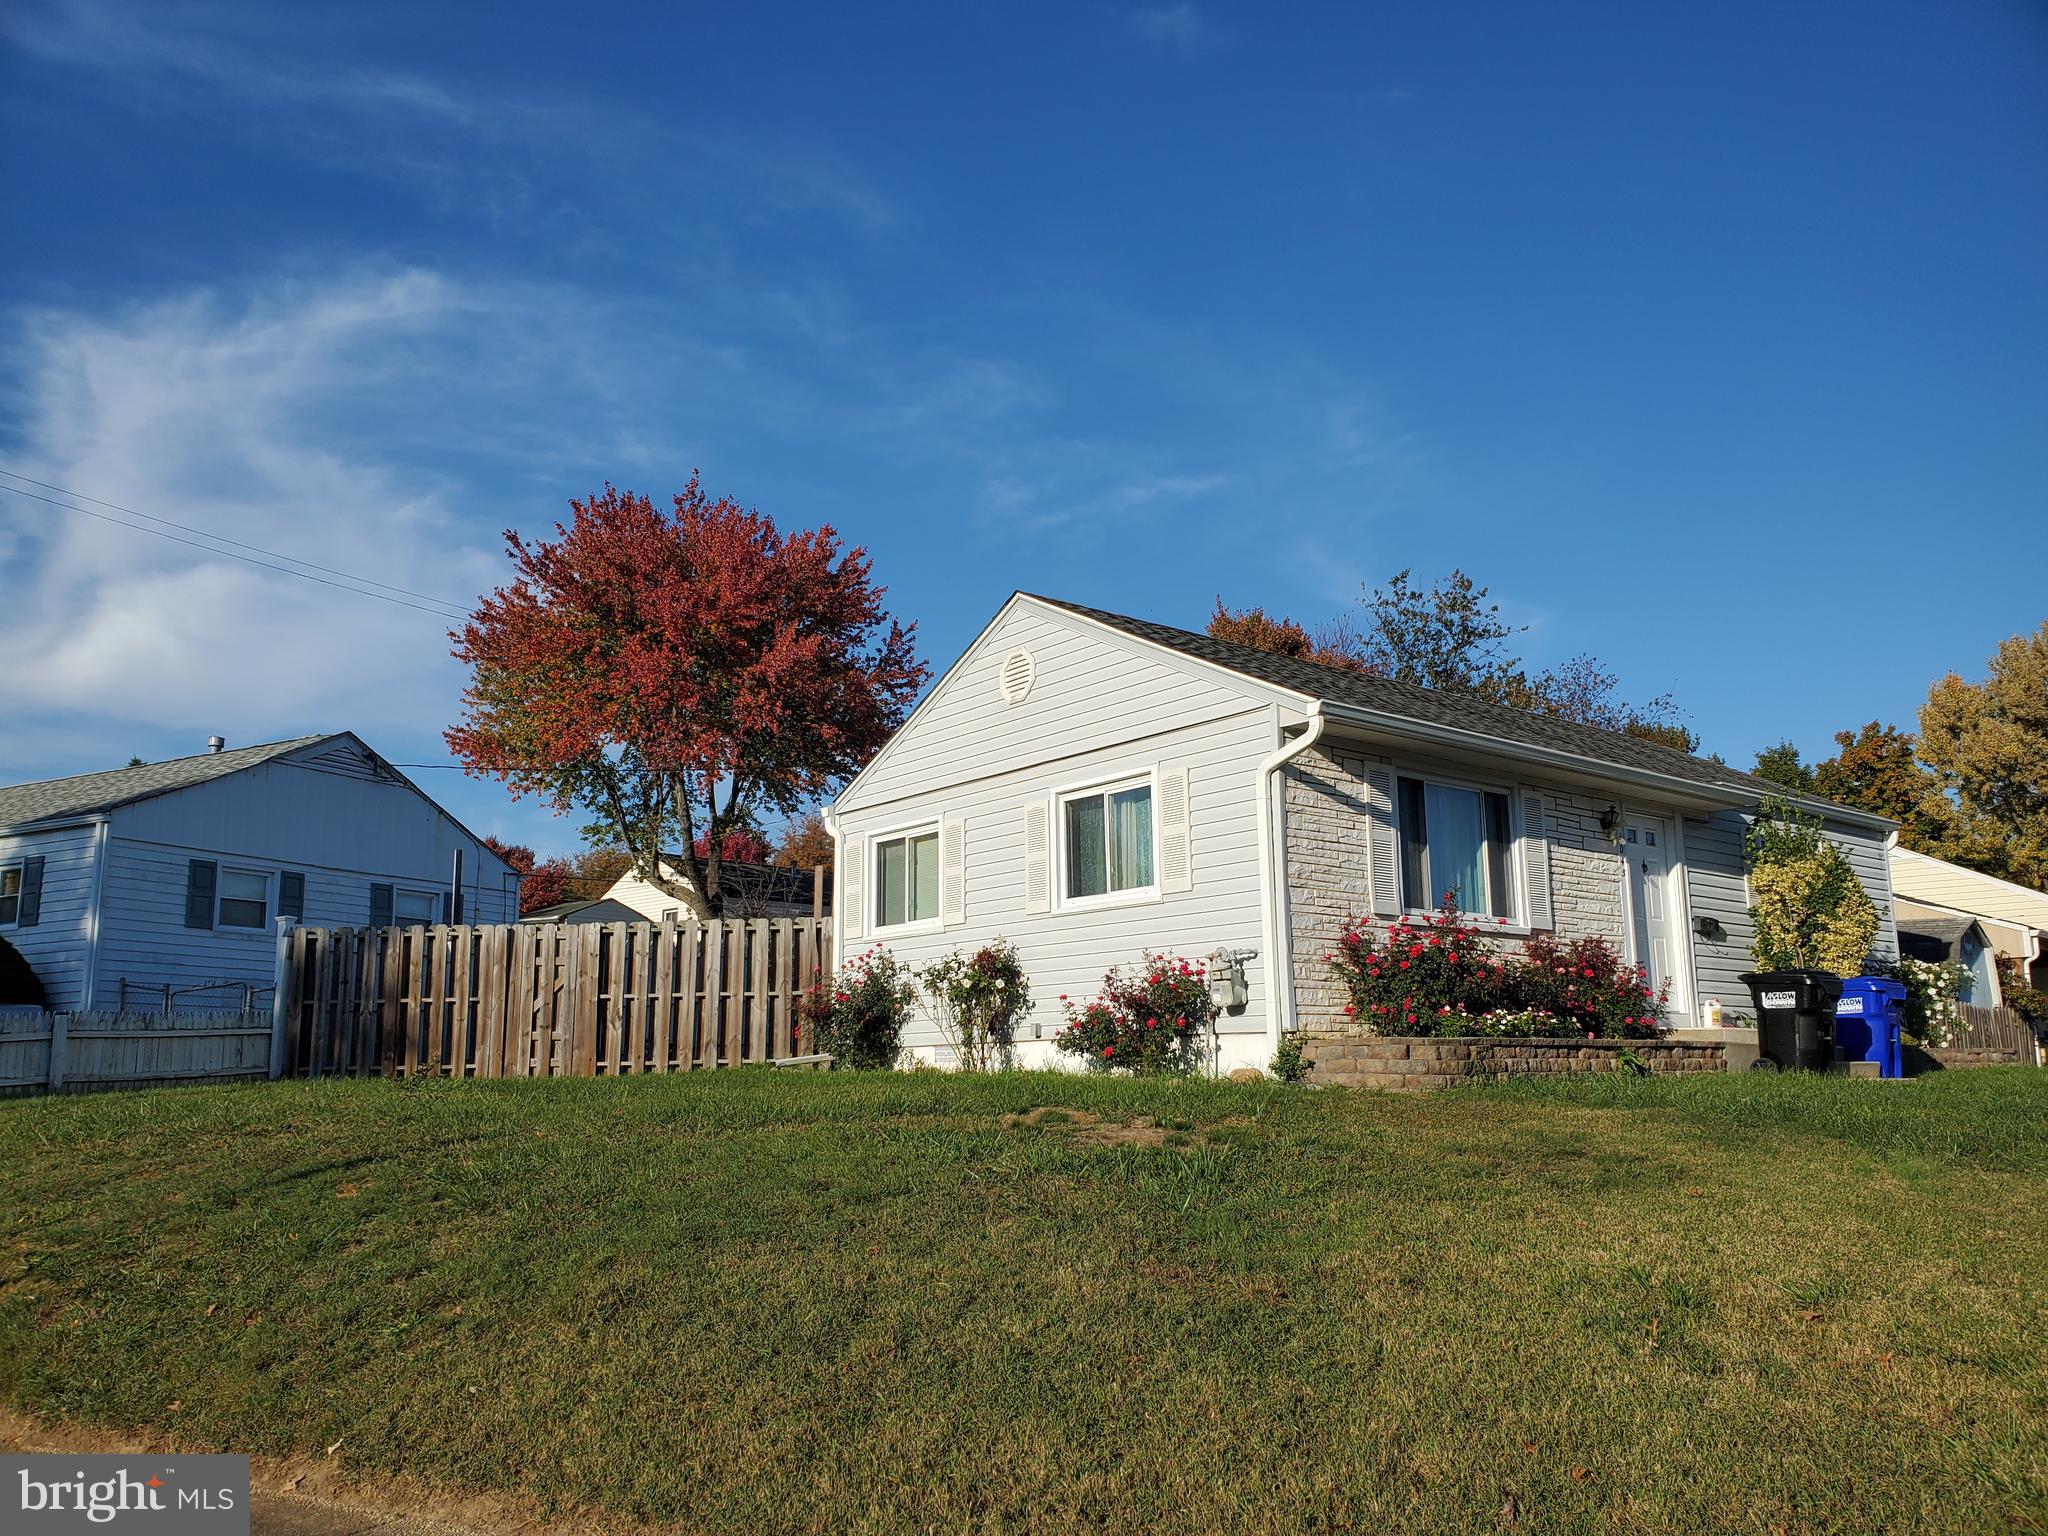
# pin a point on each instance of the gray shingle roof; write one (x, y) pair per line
(1935, 937)
(1429, 706)
(88, 794)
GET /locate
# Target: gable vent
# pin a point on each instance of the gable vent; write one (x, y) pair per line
(1018, 674)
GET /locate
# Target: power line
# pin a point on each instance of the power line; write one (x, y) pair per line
(441, 608)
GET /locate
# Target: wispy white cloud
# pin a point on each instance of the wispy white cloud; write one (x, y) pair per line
(1179, 27)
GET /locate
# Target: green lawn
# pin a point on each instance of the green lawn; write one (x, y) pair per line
(764, 1302)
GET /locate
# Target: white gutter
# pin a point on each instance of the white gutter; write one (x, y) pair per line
(1273, 938)
(831, 820)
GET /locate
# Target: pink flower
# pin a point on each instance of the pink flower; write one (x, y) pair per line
(1411, 1018)
(1349, 1009)
(1109, 1050)
(1404, 965)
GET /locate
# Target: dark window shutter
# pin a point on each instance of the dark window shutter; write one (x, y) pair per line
(291, 895)
(201, 876)
(31, 911)
(380, 906)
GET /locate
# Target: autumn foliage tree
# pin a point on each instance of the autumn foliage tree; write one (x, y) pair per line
(677, 672)
(805, 843)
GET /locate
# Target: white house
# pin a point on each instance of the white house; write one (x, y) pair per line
(2012, 919)
(177, 873)
(1090, 786)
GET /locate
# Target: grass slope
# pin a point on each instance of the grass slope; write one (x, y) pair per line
(746, 1302)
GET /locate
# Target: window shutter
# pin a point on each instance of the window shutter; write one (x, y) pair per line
(30, 912)
(852, 883)
(380, 906)
(291, 895)
(1176, 837)
(1536, 859)
(202, 876)
(952, 873)
(1037, 858)
(1383, 854)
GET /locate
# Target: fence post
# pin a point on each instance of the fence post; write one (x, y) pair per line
(280, 1004)
(58, 1021)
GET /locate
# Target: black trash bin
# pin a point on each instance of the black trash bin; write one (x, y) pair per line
(1795, 1018)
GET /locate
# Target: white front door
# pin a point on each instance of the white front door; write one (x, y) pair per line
(1653, 909)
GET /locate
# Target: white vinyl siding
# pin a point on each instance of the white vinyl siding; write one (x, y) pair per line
(1717, 891)
(1067, 948)
(57, 945)
(1091, 687)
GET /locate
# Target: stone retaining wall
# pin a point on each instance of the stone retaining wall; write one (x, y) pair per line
(1387, 1061)
(1974, 1056)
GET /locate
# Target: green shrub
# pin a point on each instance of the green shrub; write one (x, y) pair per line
(1289, 1064)
(1810, 910)
(1149, 1025)
(977, 1000)
(857, 1016)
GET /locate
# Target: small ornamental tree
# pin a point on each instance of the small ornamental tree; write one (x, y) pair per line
(677, 673)
(857, 1016)
(1810, 910)
(1148, 1022)
(977, 1001)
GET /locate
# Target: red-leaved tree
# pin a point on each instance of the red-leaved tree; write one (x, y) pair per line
(677, 673)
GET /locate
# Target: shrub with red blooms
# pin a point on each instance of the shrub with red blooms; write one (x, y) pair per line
(1148, 1023)
(1588, 984)
(1449, 974)
(857, 1016)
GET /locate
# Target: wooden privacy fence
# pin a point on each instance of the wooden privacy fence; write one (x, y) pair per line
(543, 999)
(1993, 1029)
(79, 1050)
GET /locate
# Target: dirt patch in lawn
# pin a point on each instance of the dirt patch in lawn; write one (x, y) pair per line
(1094, 1131)
(321, 1496)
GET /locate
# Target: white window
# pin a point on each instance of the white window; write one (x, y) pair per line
(244, 899)
(408, 907)
(671, 914)
(1107, 844)
(906, 867)
(1456, 840)
(10, 895)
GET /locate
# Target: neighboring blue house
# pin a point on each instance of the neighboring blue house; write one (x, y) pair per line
(179, 873)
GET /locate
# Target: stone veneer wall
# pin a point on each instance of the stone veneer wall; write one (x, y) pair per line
(1385, 1061)
(1975, 1056)
(1329, 876)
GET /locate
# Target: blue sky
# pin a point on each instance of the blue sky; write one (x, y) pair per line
(1711, 338)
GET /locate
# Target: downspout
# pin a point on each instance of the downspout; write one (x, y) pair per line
(1273, 881)
(838, 854)
(92, 934)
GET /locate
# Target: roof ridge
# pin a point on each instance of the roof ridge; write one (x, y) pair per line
(165, 762)
(1435, 706)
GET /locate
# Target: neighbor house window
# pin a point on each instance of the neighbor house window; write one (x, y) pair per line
(907, 879)
(1106, 841)
(1455, 841)
(421, 907)
(10, 895)
(244, 899)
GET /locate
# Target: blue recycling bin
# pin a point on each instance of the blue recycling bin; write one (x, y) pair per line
(1868, 1017)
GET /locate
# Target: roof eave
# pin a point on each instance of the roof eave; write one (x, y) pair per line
(1685, 791)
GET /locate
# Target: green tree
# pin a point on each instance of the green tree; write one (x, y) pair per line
(1781, 765)
(1987, 744)
(1877, 769)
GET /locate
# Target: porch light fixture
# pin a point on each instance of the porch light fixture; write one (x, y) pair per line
(1610, 823)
